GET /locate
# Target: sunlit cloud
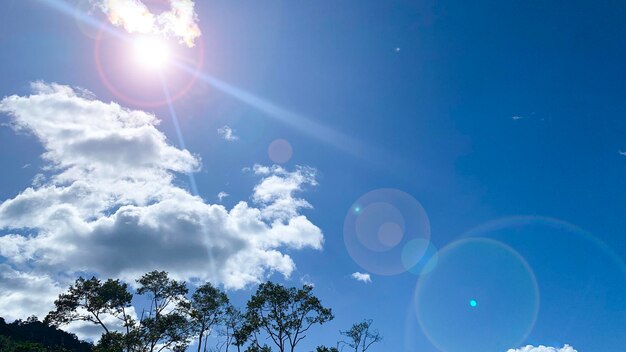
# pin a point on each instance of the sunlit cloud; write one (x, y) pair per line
(363, 277)
(227, 133)
(180, 21)
(529, 348)
(110, 186)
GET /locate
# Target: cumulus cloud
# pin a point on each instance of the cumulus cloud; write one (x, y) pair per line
(109, 204)
(25, 292)
(363, 277)
(529, 348)
(227, 133)
(180, 21)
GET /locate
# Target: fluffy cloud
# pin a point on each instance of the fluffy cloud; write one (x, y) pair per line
(180, 22)
(227, 133)
(529, 348)
(23, 293)
(363, 277)
(108, 204)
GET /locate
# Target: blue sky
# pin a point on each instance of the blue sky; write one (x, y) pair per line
(504, 120)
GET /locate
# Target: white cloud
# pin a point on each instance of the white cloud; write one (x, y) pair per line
(109, 205)
(222, 195)
(87, 331)
(517, 117)
(529, 348)
(26, 293)
(622, 152)
(363, 277)
(227, 133)
(180, 21)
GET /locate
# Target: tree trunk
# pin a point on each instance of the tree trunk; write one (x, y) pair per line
(200, 339)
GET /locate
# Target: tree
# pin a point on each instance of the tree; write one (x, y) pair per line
(31, 335)
(90, 300)
(165, 324)
(236, 330)
(112, 342)
(208, 307)
(285, 314)
(360, 336)
(326, 349)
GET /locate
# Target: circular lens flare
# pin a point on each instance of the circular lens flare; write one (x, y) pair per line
(151, 53)
(481, 296)
(387, 232)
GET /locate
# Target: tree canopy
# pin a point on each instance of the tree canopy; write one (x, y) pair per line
(275, 319)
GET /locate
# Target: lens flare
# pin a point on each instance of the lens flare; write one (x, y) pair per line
(387, 232)
(470, 271)
(596, 279)
(280, 151)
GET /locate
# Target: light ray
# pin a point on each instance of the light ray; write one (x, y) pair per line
(179, 133)
(297, 121)
(85, 18)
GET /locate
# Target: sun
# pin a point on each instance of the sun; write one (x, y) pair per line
(150, 52)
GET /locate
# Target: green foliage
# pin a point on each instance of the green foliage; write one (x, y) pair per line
(207, 309)
(88, 300)
(256, 348)
(361, 336)
(34, 336)
(112, 342)
(285, 314)
(326, 349)
(166, 324)
(275, 314)
(236, 328)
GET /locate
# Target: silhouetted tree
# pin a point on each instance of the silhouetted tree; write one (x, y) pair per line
(32, 335)
(257, 348)
(361, 336)
(326, 349)
(113, 342)
(90, 300)
(235, 328)
(208, 308)
(165, 324)
(285, 314)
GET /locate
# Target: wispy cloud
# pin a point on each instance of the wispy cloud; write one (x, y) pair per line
(517, 117)
(621, 152)
(529, 348)
(180, 21)
(363, 277)
(222, 195)
(227, 133)
(110, 187)
(306, 280)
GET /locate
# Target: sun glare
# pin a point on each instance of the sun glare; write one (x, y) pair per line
(151, 52)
